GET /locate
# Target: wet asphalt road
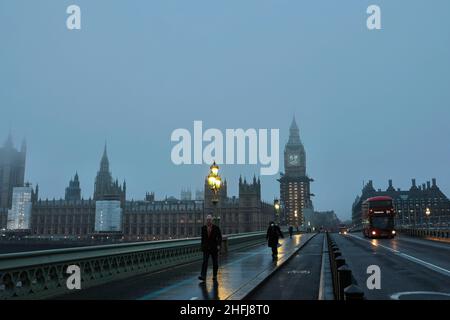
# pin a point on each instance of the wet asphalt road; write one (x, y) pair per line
(410, 268)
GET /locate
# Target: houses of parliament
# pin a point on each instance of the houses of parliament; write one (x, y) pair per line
(146, 219)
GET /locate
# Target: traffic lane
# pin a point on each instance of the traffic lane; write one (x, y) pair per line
(433, 255)
(398, 275)
(297, 279)
(181, 282)
(437, 253)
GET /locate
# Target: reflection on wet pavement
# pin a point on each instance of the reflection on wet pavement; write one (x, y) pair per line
(235, 270)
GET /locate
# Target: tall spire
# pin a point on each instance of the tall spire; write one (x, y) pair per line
(294, 133)
(104, 164)
(9, 140)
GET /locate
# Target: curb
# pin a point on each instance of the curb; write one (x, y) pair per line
(263, 276)
(326, 280)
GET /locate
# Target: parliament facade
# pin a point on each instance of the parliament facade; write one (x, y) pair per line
(146, 219)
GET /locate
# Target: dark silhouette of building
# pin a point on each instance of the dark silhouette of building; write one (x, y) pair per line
(3, 218)
(295, 192)
(250, 206)
(105, 188)
(150, 196)
(12, 170)
(152, 219)
(410, 205)
(186, 194)
(148, 219)
(73, 191)
(326, 220)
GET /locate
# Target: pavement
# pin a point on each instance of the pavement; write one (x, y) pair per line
(410, 268)
(298, 278)
(239, 272)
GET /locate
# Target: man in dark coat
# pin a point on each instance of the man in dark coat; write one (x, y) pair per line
(273, 234)
(211, 243)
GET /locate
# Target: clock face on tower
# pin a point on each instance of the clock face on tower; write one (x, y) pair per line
(293, 159)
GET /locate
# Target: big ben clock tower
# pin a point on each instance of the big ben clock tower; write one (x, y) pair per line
(294, 183)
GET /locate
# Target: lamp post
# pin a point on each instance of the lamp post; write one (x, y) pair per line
(428, 213)
(276, 206)
(296, 220)
(214, 183)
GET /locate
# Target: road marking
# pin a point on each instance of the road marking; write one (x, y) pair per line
(408, 257)
(298, 272)
(396, 296)
(322, 270)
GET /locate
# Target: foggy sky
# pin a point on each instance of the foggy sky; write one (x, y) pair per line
(369, 104)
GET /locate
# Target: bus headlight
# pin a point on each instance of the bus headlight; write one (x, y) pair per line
(374, 233)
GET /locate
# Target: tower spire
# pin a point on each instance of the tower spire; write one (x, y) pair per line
(294, 132)
(9, 140)
(104, 164)
(105, 151)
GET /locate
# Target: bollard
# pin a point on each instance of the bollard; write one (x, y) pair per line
(344, 280)
(336, 253)
(353, 292)
(224, 247)
(339, 262)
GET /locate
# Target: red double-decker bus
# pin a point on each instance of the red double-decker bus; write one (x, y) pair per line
(378, 217)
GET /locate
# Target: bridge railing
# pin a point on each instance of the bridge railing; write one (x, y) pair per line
(42, 274)
(426, 232)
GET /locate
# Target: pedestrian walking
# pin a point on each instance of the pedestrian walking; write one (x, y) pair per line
(211, 243)
(273, 235)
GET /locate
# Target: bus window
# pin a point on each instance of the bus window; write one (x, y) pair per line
(382, 222)
(381, 204)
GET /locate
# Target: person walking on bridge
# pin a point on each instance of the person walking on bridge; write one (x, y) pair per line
(211, 243)
(273, 235)
(291, 231)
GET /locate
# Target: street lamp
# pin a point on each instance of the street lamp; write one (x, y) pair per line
(276, 206)
(428, 213)
(214, 183)
(296, 220)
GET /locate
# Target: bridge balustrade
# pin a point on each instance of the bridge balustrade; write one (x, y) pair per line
(43, 274)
